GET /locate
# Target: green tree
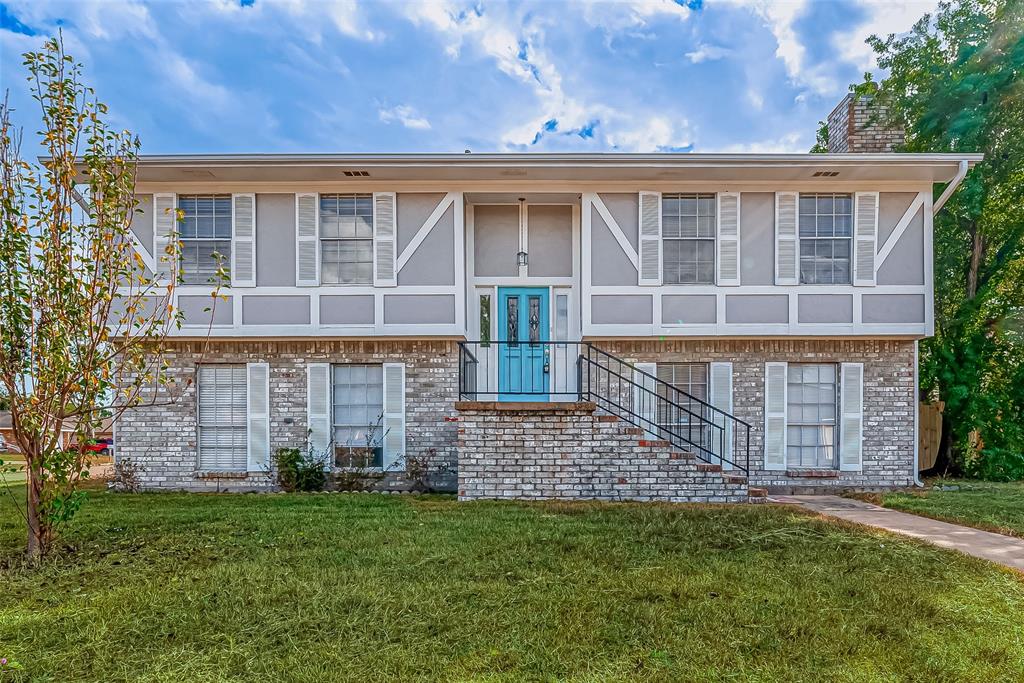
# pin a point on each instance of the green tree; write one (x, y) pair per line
(956, 84)
(84, 321)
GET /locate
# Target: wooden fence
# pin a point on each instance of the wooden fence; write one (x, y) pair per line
(929, 433)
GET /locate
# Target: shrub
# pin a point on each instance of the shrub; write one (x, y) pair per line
(299, 470)
(126, 476)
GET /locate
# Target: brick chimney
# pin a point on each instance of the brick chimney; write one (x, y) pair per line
(855, 126)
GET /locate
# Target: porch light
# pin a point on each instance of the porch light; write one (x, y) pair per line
(521, 258)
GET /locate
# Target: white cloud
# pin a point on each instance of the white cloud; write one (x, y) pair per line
(883, 17)
(706, 53)
(788, 143)
(755, 98)
(619, 15)
(405, 115)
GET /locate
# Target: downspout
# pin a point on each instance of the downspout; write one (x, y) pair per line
(914, 405)
(951, 188)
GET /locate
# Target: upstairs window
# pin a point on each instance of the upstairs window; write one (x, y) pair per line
(346, 239)
(688, 233)
(826, 233)
(205, 234)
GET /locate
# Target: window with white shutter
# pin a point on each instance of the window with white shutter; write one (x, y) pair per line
(775, 416)
(243, 246)
(385, 252)
(729, 239)
(866, 235)
(682, 415)
(318, 404)
(650, 239)
(811, 404)
(688, 227)
(165, 231)
(394, 416)
(786, 272)
(346, 239)
(645, 405)
(307, 240)
(852, 407)
(826, 229)
(720, 396)
(258, 415)
(222, 411)
(357, 405)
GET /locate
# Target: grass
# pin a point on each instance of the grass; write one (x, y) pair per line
(176, 587)
(12, 461)
(986, 505)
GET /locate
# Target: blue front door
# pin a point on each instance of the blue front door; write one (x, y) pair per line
(523, 336)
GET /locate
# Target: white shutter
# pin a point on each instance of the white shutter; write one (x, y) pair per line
(318, 409)
(775, 416)
(243, 240)
(384, 255)
(787, 225)
(307, 239)
(851, 396)
(729, 239)
(165, 206)
(394, 416)
(644, 404)
(720, 394)
(650, 239)
(258, 415)
(865, 225)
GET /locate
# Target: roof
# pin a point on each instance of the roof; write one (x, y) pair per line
(544, 167)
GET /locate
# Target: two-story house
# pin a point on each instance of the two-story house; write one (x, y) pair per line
(618, 326)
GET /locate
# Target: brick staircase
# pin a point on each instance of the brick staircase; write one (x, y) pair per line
(574, 451)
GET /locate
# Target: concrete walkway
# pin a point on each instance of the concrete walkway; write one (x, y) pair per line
(1004, 550)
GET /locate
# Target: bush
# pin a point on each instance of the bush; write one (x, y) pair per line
(299, 470)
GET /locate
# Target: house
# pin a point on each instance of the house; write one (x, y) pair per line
(687, 327)
(8, 443)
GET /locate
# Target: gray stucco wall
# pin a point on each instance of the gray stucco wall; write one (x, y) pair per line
(891, 207)
(346, 310)
(275, 240)
(275, 310)
(495, 240)
(549, 241)
(413, 210)
(905, 263)
(757, 308)
(433, 262)
(757, 238)
(142, 220)
(609, 265)
(688, 309)
(892, 308)
(825, 308)
(625, 209)
(192, 307)
(621, 309)
(419, 309)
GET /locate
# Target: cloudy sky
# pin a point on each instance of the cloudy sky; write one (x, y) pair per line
(447, 75)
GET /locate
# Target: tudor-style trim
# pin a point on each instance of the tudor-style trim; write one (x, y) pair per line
(897, 232)
(424, 230)
(616, 230)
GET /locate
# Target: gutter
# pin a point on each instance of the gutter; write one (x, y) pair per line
(917, 419)
(951, 188)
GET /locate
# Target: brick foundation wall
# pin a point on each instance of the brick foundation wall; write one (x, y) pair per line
(569, 451)
(162, 438)
(890, 400)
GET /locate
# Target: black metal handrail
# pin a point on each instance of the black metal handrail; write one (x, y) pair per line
(584, 371)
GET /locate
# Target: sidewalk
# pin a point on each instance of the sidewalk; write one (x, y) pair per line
(1004, 550)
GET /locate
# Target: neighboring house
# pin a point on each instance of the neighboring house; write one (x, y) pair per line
(616, 326)
(9, 445)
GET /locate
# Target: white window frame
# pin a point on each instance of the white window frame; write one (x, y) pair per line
(334, 426)
(243, 418)
(321, 240)
(713, 239)
(800, 239)
(835, 424)
(226, 261)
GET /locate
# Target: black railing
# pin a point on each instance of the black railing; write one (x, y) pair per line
(541, 371)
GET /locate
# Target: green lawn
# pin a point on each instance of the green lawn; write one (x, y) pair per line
(175, 587)
(983, 504)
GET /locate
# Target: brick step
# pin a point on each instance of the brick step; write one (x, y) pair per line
(755, 492)
(708, 467)
(735, 479)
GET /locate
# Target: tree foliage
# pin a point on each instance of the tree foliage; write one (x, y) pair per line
(83, 318)
(956, 84)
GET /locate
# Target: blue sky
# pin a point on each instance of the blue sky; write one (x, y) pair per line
(444, 76)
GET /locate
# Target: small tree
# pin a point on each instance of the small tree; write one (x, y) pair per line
(84, 320)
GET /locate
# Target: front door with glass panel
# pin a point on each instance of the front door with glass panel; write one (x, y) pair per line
(522, 349)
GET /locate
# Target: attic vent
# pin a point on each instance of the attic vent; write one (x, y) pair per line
(350, 174)
(826, 174)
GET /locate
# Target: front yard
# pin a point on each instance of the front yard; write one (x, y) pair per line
(366, 587)
(986, 505)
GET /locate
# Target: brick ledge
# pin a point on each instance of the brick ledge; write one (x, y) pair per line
(813, 474)
(526, 406)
